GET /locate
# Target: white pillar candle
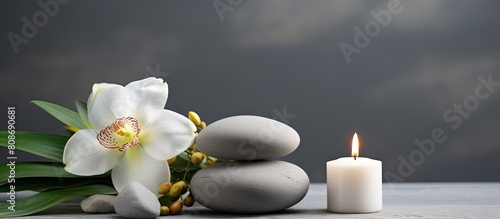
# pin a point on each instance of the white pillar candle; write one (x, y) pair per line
(354, 184)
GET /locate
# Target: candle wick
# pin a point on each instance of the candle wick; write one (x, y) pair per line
(354, 157)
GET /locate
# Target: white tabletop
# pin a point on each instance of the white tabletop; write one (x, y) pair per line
(401, 200)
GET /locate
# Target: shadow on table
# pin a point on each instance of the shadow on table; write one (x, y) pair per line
(203, 213)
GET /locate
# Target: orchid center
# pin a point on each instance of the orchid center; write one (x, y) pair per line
(121, 134)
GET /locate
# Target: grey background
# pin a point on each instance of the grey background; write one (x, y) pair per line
(268, 55)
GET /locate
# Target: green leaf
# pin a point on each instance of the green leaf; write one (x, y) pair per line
(40, 184)
(38, 169)
(47, 199)
(44, 145)
(183, 155)
(81, 107)
(63, 114)
(181, 162)
(177, 176)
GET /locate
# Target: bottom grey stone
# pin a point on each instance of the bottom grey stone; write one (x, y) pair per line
(250, 187)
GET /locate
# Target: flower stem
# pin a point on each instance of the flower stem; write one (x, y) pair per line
(186, 171)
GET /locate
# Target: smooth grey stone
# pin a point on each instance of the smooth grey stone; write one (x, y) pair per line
(249, 187)
(136, 201)
(98, 204)
(247, 138)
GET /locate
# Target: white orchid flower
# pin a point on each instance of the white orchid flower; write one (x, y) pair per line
(132, 134)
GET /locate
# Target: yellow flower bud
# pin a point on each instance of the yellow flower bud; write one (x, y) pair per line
(164, 210)
(188, 201)
(194, 118)
(176, 207)
(171, 160)
(71, 129)
(177, 189)
(174, 192)
(184, 188)
(203, 125)
(209, 162)
(165, 188)
(196, 158)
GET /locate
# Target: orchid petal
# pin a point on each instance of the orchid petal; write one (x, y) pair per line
(109, 105)
(166, 134)
(98, 88)
(84, 156)
(147, 94)
(138, 166)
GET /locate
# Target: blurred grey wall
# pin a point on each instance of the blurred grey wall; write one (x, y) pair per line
(423, 76)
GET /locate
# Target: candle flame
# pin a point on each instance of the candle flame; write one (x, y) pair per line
(355, 146)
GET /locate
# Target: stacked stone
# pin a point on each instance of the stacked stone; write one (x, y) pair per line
(253, 182)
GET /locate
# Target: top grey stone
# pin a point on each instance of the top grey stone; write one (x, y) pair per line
(248, 138)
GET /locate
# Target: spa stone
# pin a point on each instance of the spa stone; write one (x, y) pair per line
(250, 187)
(136, 201)
(247, 138)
